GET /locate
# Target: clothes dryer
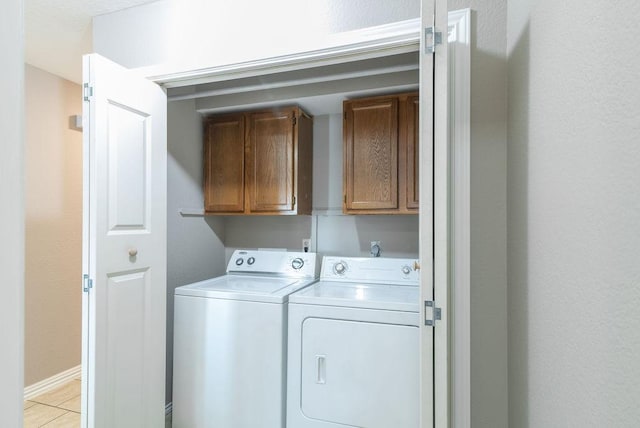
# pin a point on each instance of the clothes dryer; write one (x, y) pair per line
(354, 346)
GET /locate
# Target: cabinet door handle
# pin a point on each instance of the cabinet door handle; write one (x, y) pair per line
(321, 369)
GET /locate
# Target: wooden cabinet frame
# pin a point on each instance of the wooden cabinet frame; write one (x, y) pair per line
(276, 166)
(380, 167)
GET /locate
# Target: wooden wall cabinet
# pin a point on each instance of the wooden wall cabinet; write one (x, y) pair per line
(258, 163)
(381, 155)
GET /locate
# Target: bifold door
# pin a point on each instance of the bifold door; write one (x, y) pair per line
(124, 248)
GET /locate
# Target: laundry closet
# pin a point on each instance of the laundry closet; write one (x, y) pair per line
(206, 225)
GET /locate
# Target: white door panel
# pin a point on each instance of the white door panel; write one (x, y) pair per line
(433, 216)
(129, 145)
(124, 248)
(359, 374)
(441, 219)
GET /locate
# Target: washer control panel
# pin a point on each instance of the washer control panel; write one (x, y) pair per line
(377, 270)
(296, 264)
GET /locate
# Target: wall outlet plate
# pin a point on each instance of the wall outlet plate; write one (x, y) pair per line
(306, 245)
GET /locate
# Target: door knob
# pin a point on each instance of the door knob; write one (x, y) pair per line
(133, 252)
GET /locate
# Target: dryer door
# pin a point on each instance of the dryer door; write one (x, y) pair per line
(360, 373)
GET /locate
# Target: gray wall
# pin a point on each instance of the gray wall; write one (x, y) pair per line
(12, 214)
(195, 248)
(574, 204)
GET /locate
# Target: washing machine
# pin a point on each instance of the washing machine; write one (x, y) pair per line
(354, 346)
(230, 341)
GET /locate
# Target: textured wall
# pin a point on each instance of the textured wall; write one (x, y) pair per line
(195, 249)
(574, 204)
(12, 214)
(488, 212)
(53, 298)
(200, 33)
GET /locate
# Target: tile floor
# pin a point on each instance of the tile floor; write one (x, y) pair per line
(57, 408)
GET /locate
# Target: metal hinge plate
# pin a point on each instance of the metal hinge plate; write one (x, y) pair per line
(432, 38)
(295, 120)
(431, 313)
(87, 283)
(87, 91)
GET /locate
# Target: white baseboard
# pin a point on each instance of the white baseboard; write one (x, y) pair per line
(168, 409)
(53, 382)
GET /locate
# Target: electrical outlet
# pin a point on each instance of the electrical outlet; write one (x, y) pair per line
(306, 245)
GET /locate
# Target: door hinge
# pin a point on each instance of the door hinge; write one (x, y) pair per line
(345, 198)
(87, 91)
(295, 120)
(87, 283)
(293, 201)
(432, 38)
(431, 313)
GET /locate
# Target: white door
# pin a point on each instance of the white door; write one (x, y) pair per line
(124, 248)
(434, 214)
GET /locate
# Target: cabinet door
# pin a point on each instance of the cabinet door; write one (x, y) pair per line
(271, 165)
(224, 164)
(371, 154)
(413, 144)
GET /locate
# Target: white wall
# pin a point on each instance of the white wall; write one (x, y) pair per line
(195, 249)
(200, 33)
(53, 216)
(574, 210)
(12, 213)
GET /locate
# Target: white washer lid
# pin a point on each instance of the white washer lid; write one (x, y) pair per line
(360, 295)
(267, 289)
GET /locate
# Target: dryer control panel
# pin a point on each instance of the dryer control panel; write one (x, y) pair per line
(285, 263)
(375, 270)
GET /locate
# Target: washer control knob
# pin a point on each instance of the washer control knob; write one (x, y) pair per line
(297, 263)
(340, 268)
(251, 260)
(239, 261)
(406, 270)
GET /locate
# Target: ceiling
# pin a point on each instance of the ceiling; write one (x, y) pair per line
(59, 32)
